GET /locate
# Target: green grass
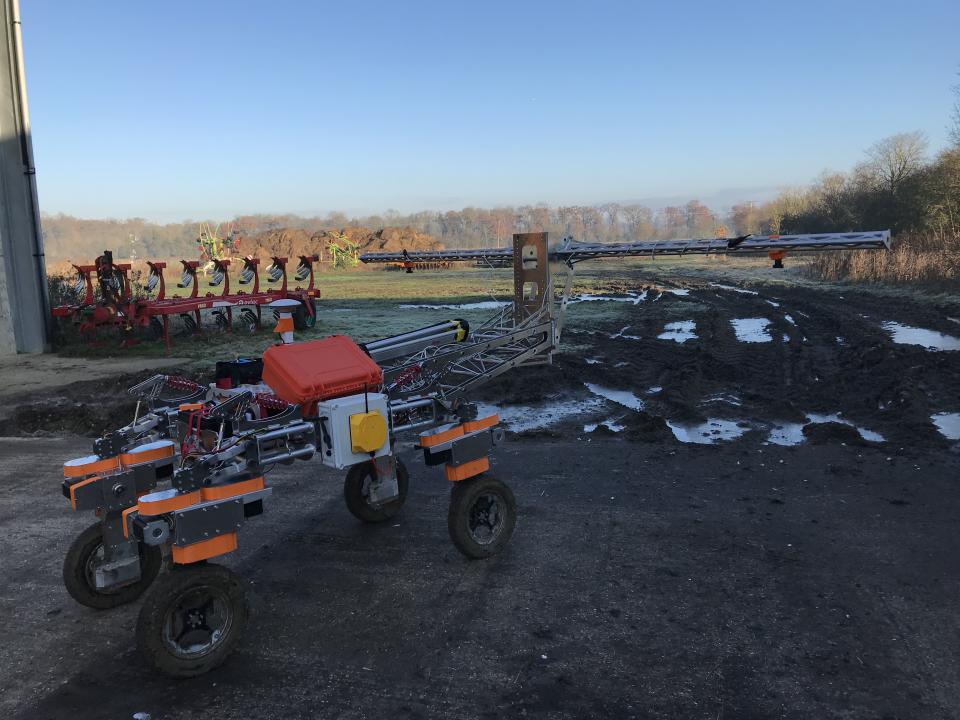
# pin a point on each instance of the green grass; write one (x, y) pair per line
(365, 304)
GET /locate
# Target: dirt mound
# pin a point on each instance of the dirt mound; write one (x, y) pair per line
(291, 242)
(832, 432)
(88, 407)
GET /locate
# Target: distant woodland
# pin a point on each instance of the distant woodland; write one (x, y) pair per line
(897, 186)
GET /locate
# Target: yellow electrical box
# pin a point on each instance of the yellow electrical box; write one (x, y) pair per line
(368, 432)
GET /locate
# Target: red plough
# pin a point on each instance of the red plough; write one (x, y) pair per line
(118, 305)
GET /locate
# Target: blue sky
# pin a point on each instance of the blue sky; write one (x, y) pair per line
(172, 110)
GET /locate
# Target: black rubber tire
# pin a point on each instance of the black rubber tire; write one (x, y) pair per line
(162, 600)
(463, 496)
(303, 319)
(357, 503)
(80, 585)
(154, 330)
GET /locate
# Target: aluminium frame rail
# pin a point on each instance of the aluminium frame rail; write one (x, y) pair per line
(571, 252)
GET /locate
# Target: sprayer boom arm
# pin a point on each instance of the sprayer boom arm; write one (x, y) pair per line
(572, 252)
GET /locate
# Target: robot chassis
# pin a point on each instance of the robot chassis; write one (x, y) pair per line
(175, 485)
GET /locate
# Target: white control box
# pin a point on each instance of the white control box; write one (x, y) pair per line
(334, 428)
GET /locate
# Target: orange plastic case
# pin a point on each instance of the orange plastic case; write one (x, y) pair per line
(308, 372)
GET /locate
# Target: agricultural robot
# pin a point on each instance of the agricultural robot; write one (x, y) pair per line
(176, 485)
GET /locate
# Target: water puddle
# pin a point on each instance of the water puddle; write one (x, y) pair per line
(594, 361)
(610, 423)
(713, 430)
(930, 339)
(622, 334)
(743, 291)
(790, 320)
(485, 305)
(727, 398)
(751, 330)
(521, 418)
(632, 298)
(653, 390)
(679, 292)
(678, 331)
(788, 434)
(621, 397)
(775, 304)
(948, 424)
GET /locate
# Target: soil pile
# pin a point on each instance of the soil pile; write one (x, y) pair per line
(291, 242)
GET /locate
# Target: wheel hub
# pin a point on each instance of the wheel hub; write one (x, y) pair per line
(196, 622)
(486, 519)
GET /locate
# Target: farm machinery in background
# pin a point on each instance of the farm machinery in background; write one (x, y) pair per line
(343, 252)
(107, 296)
(176, 485)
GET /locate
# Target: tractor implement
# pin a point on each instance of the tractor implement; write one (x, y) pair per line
(177, 484)
(106, 298)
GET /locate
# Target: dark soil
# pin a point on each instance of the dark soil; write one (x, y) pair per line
(84, 408)
(643, 581)
(873, 382)
(647, 578)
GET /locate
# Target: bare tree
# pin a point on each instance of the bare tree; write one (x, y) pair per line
(955, 115)
(896, 158)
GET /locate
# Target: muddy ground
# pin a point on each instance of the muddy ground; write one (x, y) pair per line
(647, 577)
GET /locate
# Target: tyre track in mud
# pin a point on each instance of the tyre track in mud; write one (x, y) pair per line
(828, 353)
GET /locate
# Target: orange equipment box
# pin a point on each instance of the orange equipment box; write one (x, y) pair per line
(308, 372)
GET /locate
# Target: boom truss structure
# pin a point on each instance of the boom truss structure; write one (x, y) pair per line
(571, 252)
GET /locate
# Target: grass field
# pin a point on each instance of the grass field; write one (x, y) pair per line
(369, 303)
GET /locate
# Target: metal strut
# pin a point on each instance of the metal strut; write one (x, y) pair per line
(573, 252)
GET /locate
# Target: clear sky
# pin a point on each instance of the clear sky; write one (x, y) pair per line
(171, 110)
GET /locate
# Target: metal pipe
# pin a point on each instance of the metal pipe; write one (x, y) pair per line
(286, 432)
(410, 405)
(414, 425)
(430, 330)
(305, 451)
(26, 143)
(413, 345)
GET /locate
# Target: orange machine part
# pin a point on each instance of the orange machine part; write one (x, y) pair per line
(284, 324)
(205, 549)
(123, 519)
(91, 468)
(308, 372)
(777, 254)
(169, 504)
(221, 492)
(443, 436)
(456, 473)
(158, 453)
(481, 424)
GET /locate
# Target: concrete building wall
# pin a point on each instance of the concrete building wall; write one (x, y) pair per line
(24, 307)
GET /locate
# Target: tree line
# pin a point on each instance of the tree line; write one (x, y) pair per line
(75, 238)
(897, 186)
